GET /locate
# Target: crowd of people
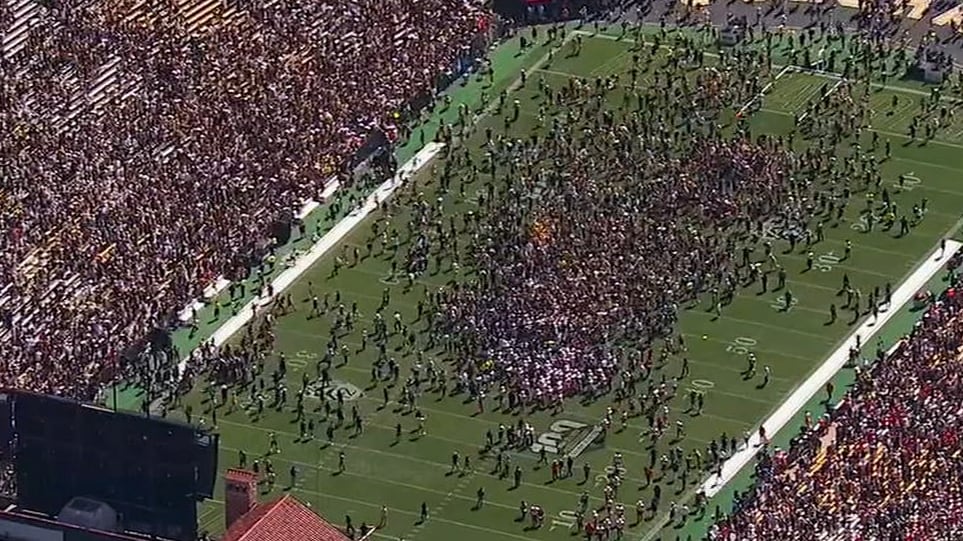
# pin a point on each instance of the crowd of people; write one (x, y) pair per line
(592, 224)
(885, 463)
(114, 217)
(602, 232)
(627, 203)
(607, 261)
(581, 234)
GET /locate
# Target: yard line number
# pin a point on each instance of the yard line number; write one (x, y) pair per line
(741, 345)
(602, 479)
(910, 182)
(565, 519)
(347, 390)
(774, 229)
(826, 262)
(701, 385)
(300, 359)
(551, 441)
(779, 304)
(861, 224)
(390, 280)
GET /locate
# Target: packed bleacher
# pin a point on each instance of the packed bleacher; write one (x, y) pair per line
(148, 144)
(886, 464)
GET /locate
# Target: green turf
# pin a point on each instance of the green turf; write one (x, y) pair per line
(793, 342)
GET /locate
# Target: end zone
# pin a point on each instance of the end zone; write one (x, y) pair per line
(818, 379)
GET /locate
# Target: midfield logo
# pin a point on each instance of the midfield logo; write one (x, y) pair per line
(569, 438)
(348, 391)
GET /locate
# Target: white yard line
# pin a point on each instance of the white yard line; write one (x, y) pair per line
(829, 92)
(891, 134)
(762, 93)
(748, 104)
(798, 399)
(326, 243)
(812, 71)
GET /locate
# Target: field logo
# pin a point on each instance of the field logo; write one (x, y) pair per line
(776, 229)
(349, 391)
(566, 437)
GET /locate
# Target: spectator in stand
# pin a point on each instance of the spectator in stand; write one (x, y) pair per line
(116, 214)
(886, 464)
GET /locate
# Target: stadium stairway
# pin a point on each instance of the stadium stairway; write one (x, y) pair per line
(954, 15)
(111, 80)
(106, 83)
(846, 532)
(140, 13)
(23, 15)
(918, 8)
(199, 15)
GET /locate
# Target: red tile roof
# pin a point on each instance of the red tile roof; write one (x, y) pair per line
(285, 519)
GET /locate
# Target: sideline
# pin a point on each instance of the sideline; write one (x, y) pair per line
(762, 93)
(818, 379)
(286, 278)
(330, 239)
(332, 185)
(221, 283)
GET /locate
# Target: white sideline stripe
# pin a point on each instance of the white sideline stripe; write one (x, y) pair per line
(765, 89)
(211, 291)
(892, 349)
(805, 114)
(328, 241)
(221, 283)
(332, 185)
(788, 409)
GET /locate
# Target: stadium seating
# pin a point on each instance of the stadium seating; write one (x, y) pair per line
(16, 25)
(155, 140)
(884, 464)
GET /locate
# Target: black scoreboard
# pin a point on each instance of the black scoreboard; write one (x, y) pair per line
(152, 471)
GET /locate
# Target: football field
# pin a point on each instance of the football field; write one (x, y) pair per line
(792, 338)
